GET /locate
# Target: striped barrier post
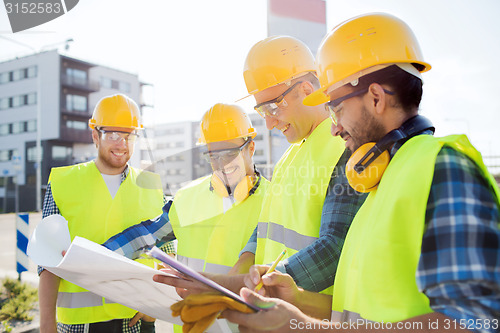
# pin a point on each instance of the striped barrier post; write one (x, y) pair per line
(22, 226)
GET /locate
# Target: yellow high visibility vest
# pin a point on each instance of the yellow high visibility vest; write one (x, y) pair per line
(291, 211)
(376, 274)
(209, 239)
(83, 198)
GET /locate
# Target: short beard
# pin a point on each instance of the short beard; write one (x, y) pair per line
(371, 131)
(109, 162)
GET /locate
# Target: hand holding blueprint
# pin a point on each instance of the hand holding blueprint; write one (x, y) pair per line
(105, 273)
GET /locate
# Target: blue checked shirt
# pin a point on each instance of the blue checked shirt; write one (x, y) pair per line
(459, 267)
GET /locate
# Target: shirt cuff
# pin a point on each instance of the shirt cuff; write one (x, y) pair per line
(281, 268)
(250, 247)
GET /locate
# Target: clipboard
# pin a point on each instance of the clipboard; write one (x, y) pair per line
(162, 256)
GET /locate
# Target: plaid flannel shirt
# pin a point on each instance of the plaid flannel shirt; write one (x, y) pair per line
(459, 267)
(50, 208)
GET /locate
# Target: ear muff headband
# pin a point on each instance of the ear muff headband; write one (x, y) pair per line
(368, 163)
(245, 188)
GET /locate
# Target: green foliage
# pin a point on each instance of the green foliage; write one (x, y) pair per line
(6, 326)
(16, 301)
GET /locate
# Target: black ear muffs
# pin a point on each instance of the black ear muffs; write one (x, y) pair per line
(244, 189)
(368, 163)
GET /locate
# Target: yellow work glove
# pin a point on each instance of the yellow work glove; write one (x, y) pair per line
(199, 311)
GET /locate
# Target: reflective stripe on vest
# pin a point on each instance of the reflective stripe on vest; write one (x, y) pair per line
(80, 300)
(346, 316)
(199, 265)
(294, 202)
(377, 280)
(99, 218)
(209, 239)
(278, 233)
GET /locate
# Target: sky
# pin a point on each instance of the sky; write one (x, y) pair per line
(193, 52)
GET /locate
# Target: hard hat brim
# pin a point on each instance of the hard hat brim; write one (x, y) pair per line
(316, 98)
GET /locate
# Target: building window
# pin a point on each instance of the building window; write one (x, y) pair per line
(4, 129)
(4, 103)
(79, 125)
(258, 137)
(4, 77)
(125, 87)
(6, 155)
(32, 71)
(178, 144)
(169, 131)
(31, 154)
(31, 99)
(76, 103)
(31, 126)
(17, 128)
(174, 158)
(173, 172)
(105, 82)
(17, 75)
(17, 101)
(61, 152)
(115, 84)
(259, 152)
(76, 76)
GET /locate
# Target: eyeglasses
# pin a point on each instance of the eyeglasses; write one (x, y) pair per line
(272, 107)
(335, 106)
(224, 156)
(117, 136)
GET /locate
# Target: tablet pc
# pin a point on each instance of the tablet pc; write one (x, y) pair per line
(162, 256)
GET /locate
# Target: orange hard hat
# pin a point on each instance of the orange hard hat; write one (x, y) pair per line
(116, 111)
(358, 45)
(225, 122)
(275, 60)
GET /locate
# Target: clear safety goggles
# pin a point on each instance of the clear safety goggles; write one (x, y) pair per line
(224, 156)
(335, 106)
(272, 107)
(117, 136)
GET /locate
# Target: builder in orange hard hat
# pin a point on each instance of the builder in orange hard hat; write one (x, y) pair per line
(310, 204)
(213, 217)
(422, 251)
(98, 199)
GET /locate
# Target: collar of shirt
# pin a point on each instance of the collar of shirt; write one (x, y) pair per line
(400, 143)
(124, 173)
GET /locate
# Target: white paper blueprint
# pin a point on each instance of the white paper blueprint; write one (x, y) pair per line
(103, 272)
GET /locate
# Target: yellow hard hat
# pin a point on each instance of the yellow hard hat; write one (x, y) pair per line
(275, 60)
(116, 111)
(225, 122)
(360, 43)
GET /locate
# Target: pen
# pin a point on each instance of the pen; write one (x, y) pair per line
(271, 269)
